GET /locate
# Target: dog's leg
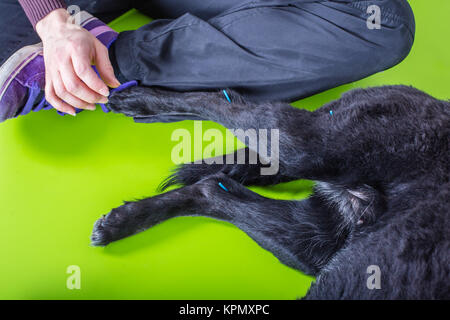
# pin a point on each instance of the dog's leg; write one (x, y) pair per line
(299, 134)
(301, 234)
(351, 140)
(246, 173)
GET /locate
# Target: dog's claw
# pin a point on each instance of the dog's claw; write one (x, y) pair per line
(100, 236)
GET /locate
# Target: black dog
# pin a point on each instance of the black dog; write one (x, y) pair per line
(381, 203)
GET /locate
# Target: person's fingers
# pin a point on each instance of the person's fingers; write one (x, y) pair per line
(53, 99)
(82, 66)
(104, 66)
(78, 89)
(62, 93)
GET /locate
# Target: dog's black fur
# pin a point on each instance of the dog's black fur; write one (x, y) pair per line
(381, 162)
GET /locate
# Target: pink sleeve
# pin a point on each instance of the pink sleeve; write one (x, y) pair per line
(38, 9)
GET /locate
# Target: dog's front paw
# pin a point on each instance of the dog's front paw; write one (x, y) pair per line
(131, 102)
(100, 235)
(117, 224)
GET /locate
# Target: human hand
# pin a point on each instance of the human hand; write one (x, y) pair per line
(69, 53)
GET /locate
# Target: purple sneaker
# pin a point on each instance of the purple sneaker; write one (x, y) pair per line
(22, 76)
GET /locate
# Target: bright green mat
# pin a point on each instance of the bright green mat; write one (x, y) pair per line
(59, 174)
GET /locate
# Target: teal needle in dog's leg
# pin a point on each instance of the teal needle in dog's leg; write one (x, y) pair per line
(223, 187)
(226, 95)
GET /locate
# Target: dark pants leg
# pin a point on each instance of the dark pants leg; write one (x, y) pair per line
(18, 32)
(172, 9)
(273, 49)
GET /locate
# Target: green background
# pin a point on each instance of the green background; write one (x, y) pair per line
(59, 174)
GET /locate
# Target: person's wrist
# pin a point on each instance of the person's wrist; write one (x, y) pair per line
(54, 22)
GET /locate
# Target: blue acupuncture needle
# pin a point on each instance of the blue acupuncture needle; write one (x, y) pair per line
(222, 186)
(226, 95)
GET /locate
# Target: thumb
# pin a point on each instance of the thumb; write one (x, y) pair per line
(104, 66)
